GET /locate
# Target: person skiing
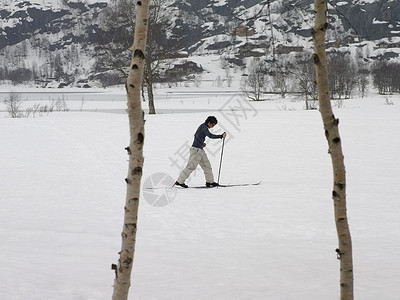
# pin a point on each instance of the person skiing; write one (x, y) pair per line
(198, 156)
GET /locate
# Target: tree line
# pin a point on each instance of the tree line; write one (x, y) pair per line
(45, 65)
(347, 77)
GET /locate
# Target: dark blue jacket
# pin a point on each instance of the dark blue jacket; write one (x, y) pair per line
(200, 136)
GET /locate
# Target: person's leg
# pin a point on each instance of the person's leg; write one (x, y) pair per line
(194, 159)
(206, 166)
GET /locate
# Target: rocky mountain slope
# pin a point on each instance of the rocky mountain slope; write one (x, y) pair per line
(57, 40)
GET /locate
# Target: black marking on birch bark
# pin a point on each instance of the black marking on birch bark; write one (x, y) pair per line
(139, 54)
(316, 59)
(313, 32)
(137, 170)
(135, 67)
(335, 195)
(128, 181)
(340, 219)
(131, 225)
(133, 200)
(132, 86)
(324, 27)
(336, 140)
(140, 138)
(127, 261)
(340, 185)
(114, 267)
(336, 122)
(338, 253)
(128, 150)
(139, 3)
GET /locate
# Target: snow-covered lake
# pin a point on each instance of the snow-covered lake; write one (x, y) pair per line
(62, 194)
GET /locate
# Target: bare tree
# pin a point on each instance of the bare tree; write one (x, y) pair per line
(135, 150)
(386, 77)
(331, 126)
(342, 76)
(362, 82)
(13, 105)
(119, 24)
(304, 72)
(155, 52)
(281, 80)
(254, 86)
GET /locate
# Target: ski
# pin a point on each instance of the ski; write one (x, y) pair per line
(203, 186)
(224, 185)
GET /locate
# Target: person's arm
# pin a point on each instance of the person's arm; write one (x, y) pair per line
(214, 136)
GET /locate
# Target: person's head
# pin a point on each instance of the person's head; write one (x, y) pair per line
(211, 121)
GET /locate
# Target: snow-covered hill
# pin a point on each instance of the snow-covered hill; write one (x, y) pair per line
(52, 39)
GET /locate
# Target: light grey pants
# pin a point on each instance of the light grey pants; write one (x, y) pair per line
(197, 157)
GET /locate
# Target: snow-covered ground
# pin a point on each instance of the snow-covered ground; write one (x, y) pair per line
(62, 194)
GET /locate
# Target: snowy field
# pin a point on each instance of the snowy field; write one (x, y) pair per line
(62, 194)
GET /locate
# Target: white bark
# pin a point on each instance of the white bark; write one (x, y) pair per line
(344, 252)
(135, 150)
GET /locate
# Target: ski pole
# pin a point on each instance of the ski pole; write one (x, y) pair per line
(220, 161)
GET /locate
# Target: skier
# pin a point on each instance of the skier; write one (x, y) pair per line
(199, 156)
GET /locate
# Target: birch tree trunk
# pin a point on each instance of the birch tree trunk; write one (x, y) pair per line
(123, 270)
(331, 126)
